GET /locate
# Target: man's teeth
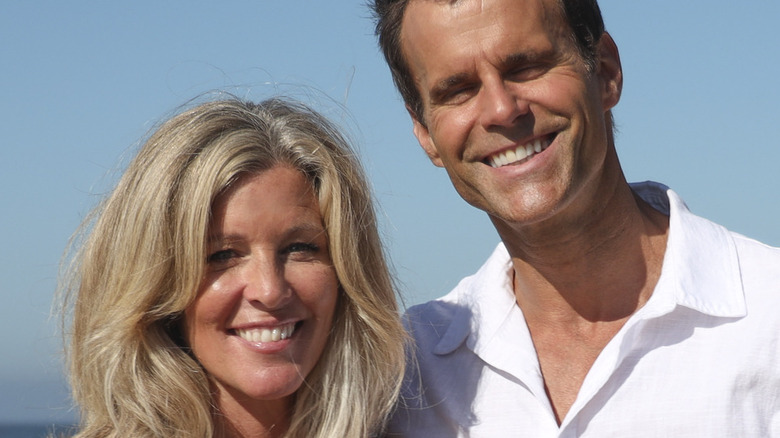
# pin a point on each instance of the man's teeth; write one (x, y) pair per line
(260, 335)
(520, 153)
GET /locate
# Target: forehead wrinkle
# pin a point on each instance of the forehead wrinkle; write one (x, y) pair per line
(549, 17)
(307, 227)
(303, 227)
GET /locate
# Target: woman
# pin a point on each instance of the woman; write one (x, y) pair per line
(233, 284)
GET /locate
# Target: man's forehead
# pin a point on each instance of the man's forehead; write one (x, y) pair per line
(548, 11)
(434, 34)
(550, 5)
(435, 21)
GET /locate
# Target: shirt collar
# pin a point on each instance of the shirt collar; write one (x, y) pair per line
(701, 266)
(485, 299)
(700, 271)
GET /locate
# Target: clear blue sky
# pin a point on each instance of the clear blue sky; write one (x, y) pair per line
(82, 82)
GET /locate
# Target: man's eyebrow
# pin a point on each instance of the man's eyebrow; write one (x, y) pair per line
(441, 87)
(524, 58)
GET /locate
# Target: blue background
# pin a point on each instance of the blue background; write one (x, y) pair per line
(83, 81)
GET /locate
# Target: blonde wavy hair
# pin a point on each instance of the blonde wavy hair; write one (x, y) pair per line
(142, 255)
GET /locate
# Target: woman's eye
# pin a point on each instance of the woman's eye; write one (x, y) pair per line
(301, 247)
(300, 252)
(221, 256)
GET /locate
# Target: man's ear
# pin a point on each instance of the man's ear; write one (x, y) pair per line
(610, 71)
(424, 138)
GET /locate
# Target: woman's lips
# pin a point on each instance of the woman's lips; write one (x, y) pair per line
(257, 335)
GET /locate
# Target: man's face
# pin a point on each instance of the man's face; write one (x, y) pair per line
(510, 109)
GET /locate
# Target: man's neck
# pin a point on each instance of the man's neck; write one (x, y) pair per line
(600, 267)
(578, 284)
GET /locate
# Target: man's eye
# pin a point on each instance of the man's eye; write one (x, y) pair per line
(527, 73)
(456, 95)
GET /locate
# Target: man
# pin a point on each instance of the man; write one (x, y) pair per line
(608, 309)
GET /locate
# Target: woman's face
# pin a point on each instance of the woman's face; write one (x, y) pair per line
(265, 306)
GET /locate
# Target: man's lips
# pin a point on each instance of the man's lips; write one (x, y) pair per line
(520, 153)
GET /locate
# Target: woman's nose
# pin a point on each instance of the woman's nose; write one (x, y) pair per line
(266, 284)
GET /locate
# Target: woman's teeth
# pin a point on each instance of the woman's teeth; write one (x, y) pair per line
(520, 153)
(272, 334)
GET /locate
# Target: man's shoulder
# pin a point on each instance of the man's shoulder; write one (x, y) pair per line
(755, 248)
(442, 325)
(430, 322)
(440, 309)
(759, 265)
(455, 305)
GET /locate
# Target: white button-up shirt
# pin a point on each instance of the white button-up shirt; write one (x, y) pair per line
(700, 359)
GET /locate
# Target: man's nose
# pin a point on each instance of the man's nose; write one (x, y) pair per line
(500, 104)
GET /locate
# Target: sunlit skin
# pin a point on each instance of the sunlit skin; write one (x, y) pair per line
(494, 75)
(497, 74)
(268, 266)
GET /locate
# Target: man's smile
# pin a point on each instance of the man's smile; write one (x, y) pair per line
(518, 154)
